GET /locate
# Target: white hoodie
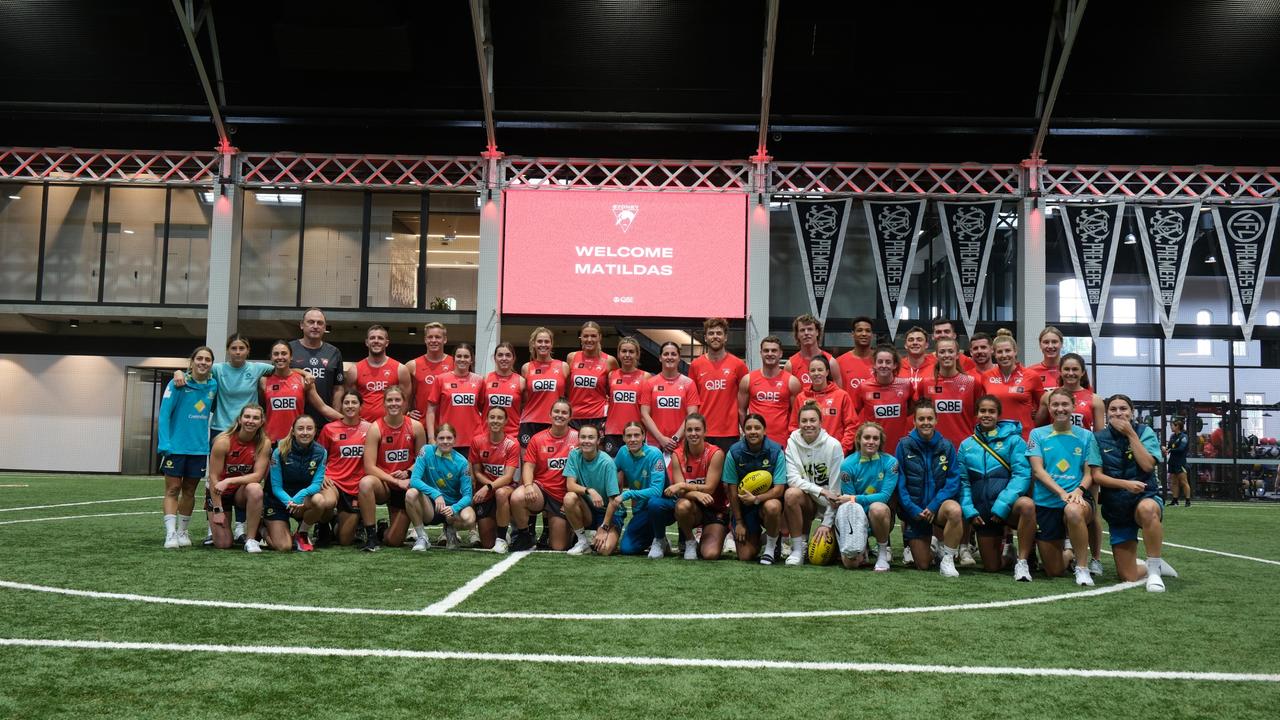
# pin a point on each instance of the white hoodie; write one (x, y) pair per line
(815, 467)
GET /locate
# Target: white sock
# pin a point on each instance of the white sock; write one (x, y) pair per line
(170, 524)
(421, 528)
(770, 543)
(1153, 565)
(798, 542)
(183, 522)
(949, 551)
(582, 534)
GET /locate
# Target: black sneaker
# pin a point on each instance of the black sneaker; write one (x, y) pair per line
(544, 540)
(1173, 502)
(522, 540)
(323, 534)
(371, 544)
(1187, 503)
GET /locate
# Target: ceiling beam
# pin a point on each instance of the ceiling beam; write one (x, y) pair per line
(214, 112)
(766, 79)
(1075, 12)
(217, 56)
(484, 60)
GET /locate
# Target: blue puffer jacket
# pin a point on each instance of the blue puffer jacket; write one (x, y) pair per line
(986, 487)
(928, 474)
(1118, 462)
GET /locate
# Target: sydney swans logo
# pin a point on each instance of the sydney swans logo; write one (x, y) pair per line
(624, 215)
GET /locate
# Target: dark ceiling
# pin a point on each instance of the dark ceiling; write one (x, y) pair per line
(1172, 82)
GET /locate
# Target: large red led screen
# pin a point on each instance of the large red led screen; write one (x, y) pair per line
(624, 253)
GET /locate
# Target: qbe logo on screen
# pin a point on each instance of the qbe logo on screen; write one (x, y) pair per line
(628, 254)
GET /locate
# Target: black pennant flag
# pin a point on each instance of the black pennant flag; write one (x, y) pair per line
(1244, 235)
(1167, 232)
(968, 229)
(820, 228)
(1093, 234)
(894, 227)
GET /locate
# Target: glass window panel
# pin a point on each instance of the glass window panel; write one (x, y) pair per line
(73, 243)
(331, 249)
(394, 230)
(453, 250)
(190, 221)
(269, 247)
(19, 240)
(135, 245)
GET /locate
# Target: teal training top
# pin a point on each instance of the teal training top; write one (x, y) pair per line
(446, 476)
(1067, 457)
(600, 474)
(183, 424)
(237, 387)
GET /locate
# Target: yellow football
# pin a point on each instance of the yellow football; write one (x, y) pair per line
(757, 482)
(822, 551)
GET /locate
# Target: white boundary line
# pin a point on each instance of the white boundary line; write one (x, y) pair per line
(728, 664)
(87, 502)
(78, 517)
(456, 597)
(1211, 552)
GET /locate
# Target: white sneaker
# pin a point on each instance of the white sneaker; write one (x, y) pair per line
(237, 532)
(450, 539)
(500, 546)
(797, 555)
(171, 540)
(690, 550)
(786, 548)
(730, 545)
(252, 546)
(579, 547)
(1095, 567)
(473, 539)
(1166, 570)
(1083, 577)
(208, 539)
(665, 544)
(935, 547)
(1155, 583)
(947, 566)
(655, 551)
(884, 558)
(1021, 571)
(907, 558)
(420, 543)
(184, 538)
(966, 556)
(411, 534)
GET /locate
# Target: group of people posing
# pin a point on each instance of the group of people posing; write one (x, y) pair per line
(957, 448)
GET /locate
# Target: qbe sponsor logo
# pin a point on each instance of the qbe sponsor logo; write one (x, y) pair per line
(376, 385)
(888, 411)
(768, 396)
(953, 407)
(351, 451)
(715, 385)
(625, 397)
(493, 471)
(668, 402)
(557, 463)
(502, 401)
(284, 403)
(462, 399)
(584, 381)
(397, 456)
(545, 385)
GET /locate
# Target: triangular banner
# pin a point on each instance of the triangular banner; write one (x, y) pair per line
(1244, 235)
(968, 229)
(1093, 234)
(1168, 232)
(894, 227)
(820, 228)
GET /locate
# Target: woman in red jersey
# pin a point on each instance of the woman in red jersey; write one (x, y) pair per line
(504, 388)
(390, 447)
(542, 481)
(495, 457)
(1088, 411)
(588, 370)
(1018, 389)
(838, 416)
(954, 393)
(545, 379)
(885, 398)
(625, 385)
(807, 330)
(344, 441)
(1048, 368)
(455, 399)
(696, 467)
(285, 393)
(666, 399)
(238, 462)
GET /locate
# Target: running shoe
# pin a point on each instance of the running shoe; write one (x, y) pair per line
(171, 540)
(208, 538)
(522, 540)
(579, 548)
(947, 566)
(797, 556)
(500, 546)
(1021, 571)
(237, 533)
(907, 558)
(252, 546)
(1166, 570)
(690, 550)
(1095, 567)
(665, 544)
(1155, 583)
(450, 538)
(371, 543)
(655, 551)
(966, 556)
(301, 542)
(1083, 577)
(184, 538)
(730, 545)
(420, 544)
(884, 558)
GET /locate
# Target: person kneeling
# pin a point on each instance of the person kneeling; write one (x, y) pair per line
(591, 481)
(928, 484)
(440, 491)
(868, 479)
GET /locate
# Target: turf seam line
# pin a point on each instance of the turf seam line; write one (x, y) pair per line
(87, 502)
(455, 598)
(733, 664)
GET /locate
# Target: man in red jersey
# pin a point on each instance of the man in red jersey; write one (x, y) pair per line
(807, 330)
(372, 375)
(945, 329)
(770, 391)
(855, 365)
(918, 361)
(417, 375)
(718, 374)
(980, 352)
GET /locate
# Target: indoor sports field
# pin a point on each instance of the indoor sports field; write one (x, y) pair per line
(99, 621)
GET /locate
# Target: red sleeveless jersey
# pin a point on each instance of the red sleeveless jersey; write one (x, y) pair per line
(239, 460)
(345, 445)
(853, 371)
(1082, 411)
(718, 388)
(395, 449)
(1019, 395)
(549, 454)
(695, 472)
(504, 392)
(285, 399)
(800, 367)
(1049, 376)
(955, 399)
(543, 385)
(669, 401)
(839, 418)
(624, 399)
(424, 374)
(489, 459)
(889, 405)
(371, 381)
(457, 401)
(588, 391)
(771, 399)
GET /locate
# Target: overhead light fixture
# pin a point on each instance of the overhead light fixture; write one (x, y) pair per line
(15, 197)
(1130, 239)
(158, 325)
(388, 237)
(74, 323)
(128, 232)
(1210, 260)
(413, 330)
(272, 198)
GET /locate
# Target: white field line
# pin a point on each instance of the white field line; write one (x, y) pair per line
(1215, 552)
(727, 664)
(456, 597)
(78, 517)
(87, 502)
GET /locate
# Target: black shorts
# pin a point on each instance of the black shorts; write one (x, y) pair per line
(577, 423)
(395, 497)
(612, 445)
(714, 517)
(486, 509)
(992, 526)
(348, 503)
(529, 429)
(273, 510)
(1051, 522)
(228, 501)
(724, 443)
(1175, 468)
(550, 505)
